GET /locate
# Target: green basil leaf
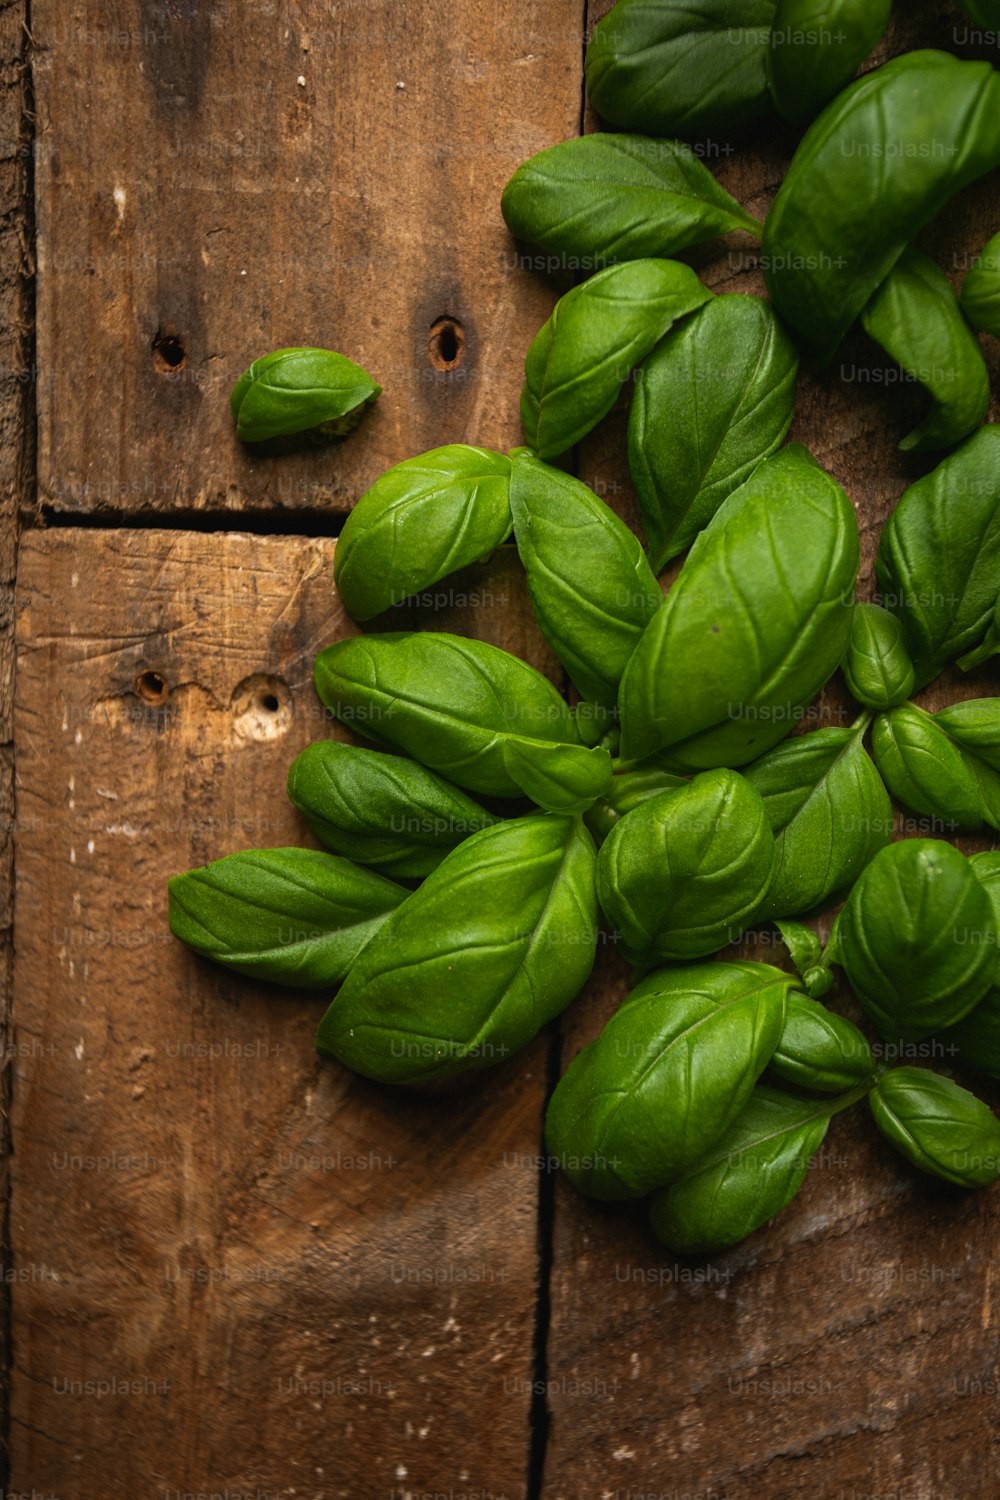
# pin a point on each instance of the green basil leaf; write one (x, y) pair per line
(939, 558)
(670, 1071)
(821, 1050)
(877, 669)
(816, 47)
(938, 1126)
(495, 943)
(829, 813)
(916, 318)
(685, 872)
(876, 166)
(591, 586)
(560, 778)
(916, 939)
(446, 701)
(683, 68)
(627, 792)
(976, 1038)
(714, 398)
(802, 943)
(581, 357)
(600, 198)
(301, 390)
(381, 810)
(755, 624)
(422, 520)
(751, 1173)
(293, 916)
(924, 769)
(980, 299)
(974, 726)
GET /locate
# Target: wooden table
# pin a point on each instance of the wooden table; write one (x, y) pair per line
(236, 1269)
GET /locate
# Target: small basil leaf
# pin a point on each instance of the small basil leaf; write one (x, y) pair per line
(821, 1050)
(974, 726)
(422, 520)
(976, 1039)
(938, 1126)
(381, 810)
(293, 916)
(447, 701)
(599, 198)
(591, 586)
(939, 558)
(495, 943)
(916, 318)
(301, 390)
(802, 943)
(683, 68)
(755, 624)
(916, 939)
(581, 357)
(877, 669)
(829, 813)
(751, 1173)
(980, 299)
(627, 792)
(672, 1068)
(816, 47)
(714, 398)
(924, 769)
(685, 872)
(560, 778)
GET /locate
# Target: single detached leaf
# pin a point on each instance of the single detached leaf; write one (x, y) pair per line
(670, 1071)
(591, 586)
(816, 47)
(755, 624)
(495, 943)
(916, 318)
(600, 198)
(301, 390)
(980, 299)
(581, 357)
(381, 810)
(820, 1050)
(877, 669)
(422, 520)
(924, 769)
(683, 68)
(938, 1126)
(446, 701)
(714, 398)
(560, 778)
(293, 916)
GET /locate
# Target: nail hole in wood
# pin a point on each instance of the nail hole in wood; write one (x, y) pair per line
(151, 687)
(446, 345)
(262, 707)
(169, 353)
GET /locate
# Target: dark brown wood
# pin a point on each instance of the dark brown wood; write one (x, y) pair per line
(236, 178)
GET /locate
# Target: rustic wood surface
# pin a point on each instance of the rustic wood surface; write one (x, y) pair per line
(351, 1292)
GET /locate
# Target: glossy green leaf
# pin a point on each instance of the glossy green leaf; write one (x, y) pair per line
(924, 769)
(381, 810)
(976, 1038)
(916, 318)
(916, 939)
(560, 778)
(820, 1050)
(938, 1126)
(974, 726)
(681, 68)
(670, 1071)
(877, 669)
(939, 558)
(755, 624)
(446, 701)
(872, 170)
(684, 873)
(591, 586)
(293, 916)
(816, 48)
(714, 398)
(301, 390)
(627, 792)
(600, 198)
(829, 813)
(582, 356)
(980, 299)
(422, 520)
(751, 1173)
(495, 943)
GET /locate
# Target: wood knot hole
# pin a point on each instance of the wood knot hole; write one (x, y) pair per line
(446, 344)
(169, 353)
(151, 687)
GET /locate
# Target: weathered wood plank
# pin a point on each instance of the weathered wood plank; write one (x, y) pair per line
(234, 178)
(238, 1266)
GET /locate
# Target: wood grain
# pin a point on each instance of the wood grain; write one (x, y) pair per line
(241, 177)
(238, 1266)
